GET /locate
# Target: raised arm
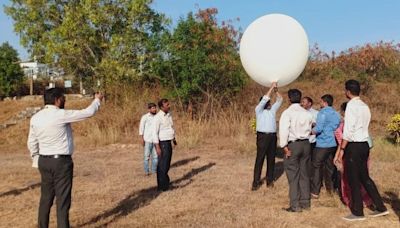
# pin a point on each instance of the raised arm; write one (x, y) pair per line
(71, 116)
(260, 107)
(278, 102)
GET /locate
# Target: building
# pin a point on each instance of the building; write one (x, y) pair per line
(37, 70)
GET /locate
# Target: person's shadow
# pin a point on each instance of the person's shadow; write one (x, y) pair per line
(278, 171)
(19, 191)
(142, 198)
(184, 162)
(394, 201)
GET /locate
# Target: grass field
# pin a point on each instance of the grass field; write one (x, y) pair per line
(211, 174)
(211, 188)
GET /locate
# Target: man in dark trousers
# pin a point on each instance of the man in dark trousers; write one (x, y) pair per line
(327, 122)
(50, 143)
(294, 132)
(266, 136)
(164, 136)
(356, 152)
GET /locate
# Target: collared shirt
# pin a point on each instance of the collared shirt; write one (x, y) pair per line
(164, 127)
(314, 114)
(327, 122)
(147, 127)
(50, 130)
(295, 123)
(266, 118)
(356, 121)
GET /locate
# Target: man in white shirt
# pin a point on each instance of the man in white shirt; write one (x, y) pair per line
(146, 132)
(50, 143)
(266, 136)
(294, 132)
(356, 152)
(164, 136)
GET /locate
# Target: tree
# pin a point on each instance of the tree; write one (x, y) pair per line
(111, 40)
(11, 75)
(201, 62)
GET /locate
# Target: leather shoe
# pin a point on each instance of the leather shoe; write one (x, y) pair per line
(290, 209)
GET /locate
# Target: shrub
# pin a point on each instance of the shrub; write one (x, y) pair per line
(394, 128)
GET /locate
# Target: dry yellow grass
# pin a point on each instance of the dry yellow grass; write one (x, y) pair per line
(211, 175)
(211, 189)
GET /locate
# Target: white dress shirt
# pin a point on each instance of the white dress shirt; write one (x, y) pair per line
(147, 127)
(356, 121)
(295, 123)
(164, 127)
(50, 130)
(266, 118)
(314, 114)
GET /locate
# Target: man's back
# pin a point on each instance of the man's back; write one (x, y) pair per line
(295, 123)
(327, 122)
(356, 123)
(50, 130)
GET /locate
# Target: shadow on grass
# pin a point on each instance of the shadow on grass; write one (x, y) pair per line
(19, 191)
(184, 162)
(394, 201)
(143, 198)
(279, 169)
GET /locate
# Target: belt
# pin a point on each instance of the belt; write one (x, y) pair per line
(298, 140)
(55, 156)
(266, 133)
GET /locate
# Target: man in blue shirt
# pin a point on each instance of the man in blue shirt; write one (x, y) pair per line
(327, 122)
(266, 136)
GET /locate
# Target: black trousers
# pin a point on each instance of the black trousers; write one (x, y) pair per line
(322, 160)
(297, 168)
(266, 147)
(56, 175)
(356, 157)
(164, 163)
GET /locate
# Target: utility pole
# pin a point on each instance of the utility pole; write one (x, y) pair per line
(31, 82)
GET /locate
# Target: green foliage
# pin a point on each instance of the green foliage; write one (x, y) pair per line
(114, 41)
(11, 75)
(202, 63)
(394, 128)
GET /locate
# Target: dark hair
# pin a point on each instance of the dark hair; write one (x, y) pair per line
(162, 102)
(328, 99)
(151, 105)
(266, 104)
(343, 106)
(309, 99)
(353, 86)
(294, 96)
(50, 95)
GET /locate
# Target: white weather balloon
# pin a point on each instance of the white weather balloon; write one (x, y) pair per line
(274, 48)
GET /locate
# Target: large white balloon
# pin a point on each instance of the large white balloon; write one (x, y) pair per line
(274, 48)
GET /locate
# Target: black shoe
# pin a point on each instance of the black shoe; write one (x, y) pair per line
(255, 186)
(270, 184)
(290, 209)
